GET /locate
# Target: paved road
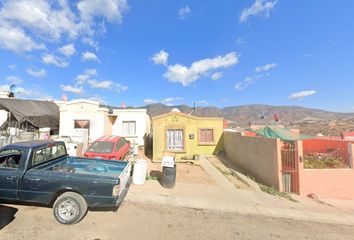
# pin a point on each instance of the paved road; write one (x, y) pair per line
(143, 221)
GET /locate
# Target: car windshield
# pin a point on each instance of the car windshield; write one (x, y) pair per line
(101, 147)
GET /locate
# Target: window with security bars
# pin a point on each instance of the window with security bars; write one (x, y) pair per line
(174, 138)
(129, 128)
(206, 135)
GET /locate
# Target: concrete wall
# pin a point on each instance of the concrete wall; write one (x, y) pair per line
(190, 125)
(142, 124)
(259, 157)
(328, 183)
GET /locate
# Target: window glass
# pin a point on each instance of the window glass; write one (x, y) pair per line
(101, 147)
(48, 153)
(129, 128)
(206, 135)
(82, 124)
(120, 143)
(10, 158)
(174, 138)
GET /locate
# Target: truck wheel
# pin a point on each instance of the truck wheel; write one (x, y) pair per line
(69, 208)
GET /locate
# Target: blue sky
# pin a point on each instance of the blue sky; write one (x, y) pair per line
(219, 53)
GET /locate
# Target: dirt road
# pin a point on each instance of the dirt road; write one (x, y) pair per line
(139, 221)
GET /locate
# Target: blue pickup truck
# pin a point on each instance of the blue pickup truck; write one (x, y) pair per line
(41, 172)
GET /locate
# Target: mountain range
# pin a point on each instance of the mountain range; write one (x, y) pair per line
(265, 114)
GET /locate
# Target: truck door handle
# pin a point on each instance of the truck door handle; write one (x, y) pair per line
(34, 179)
(10, 178)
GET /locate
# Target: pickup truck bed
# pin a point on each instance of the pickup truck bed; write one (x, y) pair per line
(87, 166)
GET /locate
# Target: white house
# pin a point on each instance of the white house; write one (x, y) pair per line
(84, 114)
(132, 124)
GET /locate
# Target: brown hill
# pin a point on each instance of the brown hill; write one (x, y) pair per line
(308, 119)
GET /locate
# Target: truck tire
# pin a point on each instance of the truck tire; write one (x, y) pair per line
(69, 208)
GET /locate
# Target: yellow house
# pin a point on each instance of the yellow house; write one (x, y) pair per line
(185, 135)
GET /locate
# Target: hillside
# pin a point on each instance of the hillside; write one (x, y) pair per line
(309, 120)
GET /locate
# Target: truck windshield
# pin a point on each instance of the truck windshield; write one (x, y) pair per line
(101, 147)
(48, 153)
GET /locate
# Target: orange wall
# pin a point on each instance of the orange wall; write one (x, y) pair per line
(323, 144)
(328, 183)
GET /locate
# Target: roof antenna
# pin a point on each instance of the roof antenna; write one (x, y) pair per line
(192, 109)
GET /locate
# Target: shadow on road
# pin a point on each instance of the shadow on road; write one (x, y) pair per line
(7, 215)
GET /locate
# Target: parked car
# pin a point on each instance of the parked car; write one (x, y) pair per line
(108, 148)
(41, 172)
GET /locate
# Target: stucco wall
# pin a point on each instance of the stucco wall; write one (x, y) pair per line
(259, 157)
(142, 124)
(83, 110)
(328, 183)
(190, 125)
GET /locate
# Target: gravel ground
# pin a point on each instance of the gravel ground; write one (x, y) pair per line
(142, 221)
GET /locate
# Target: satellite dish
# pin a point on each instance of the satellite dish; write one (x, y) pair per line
(13, 88)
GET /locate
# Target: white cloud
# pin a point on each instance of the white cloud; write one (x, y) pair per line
(150, 101)
(37, 73)
(90, 42)
(302, 94)
(216, 76)
(247, 82)
(72, 89)
(89, 56)
(82, 78)
(103, 84)
(46, 19)
(14, 80)
(160, 58)
(67, 50)
(32, 93)
(112, 10)
(184, 12)
(265, 67)
(91, 72)
(54, 60)
(12, 66)
(24, 24)
(257, 8)
(4, 87)
(172, 101)
(120, 87)
(14, 38)
(106, 84)
(186, 75)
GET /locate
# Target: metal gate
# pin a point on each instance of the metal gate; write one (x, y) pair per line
(290, 170)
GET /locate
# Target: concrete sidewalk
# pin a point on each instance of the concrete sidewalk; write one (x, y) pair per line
(225, 197)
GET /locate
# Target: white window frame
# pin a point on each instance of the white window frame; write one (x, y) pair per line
(176, 143)
(130, 130)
